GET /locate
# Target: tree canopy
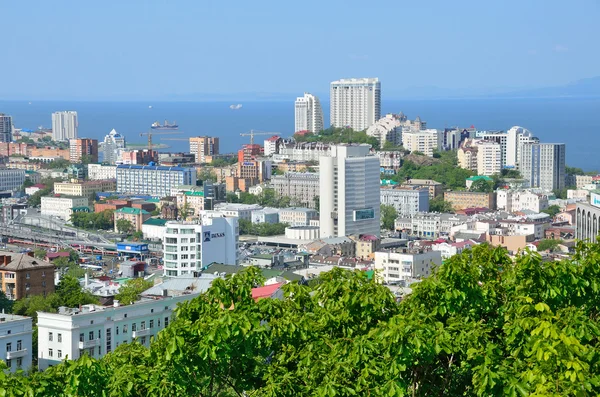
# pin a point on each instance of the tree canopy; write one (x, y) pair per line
(130, 292)
(388, 216)
(339, 135)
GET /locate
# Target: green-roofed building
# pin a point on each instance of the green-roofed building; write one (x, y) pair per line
(469, 181)
(136, 216)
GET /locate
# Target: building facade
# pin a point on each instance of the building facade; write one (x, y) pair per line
(395, 267)
(349, 192)
(16, 341)
(80, 147)
(297, 216)
(203, 146)
(24, 276)
(114, 144)
(387, 129)
(64, 125)
(156, 181)
(424, 141)
(543, 165)
(301, 187)
(101, 171)
(308, 114)
(407, 200)
(587, 219)
(139, 156)
(84, 188)
(355, 103)
(11, 179)
(62, 207)
(6, 128)
(136, 216)
(463, 200)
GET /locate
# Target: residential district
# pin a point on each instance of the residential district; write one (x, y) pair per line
(138, 231)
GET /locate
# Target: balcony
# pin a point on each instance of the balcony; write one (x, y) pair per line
(89, 343)
(16, 354)
(140, 332)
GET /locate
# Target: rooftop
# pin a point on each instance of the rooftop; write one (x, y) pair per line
(132, 211)
(10, 261)
(479, 177)
(5, 317)
(265, 292)
(151, 167)
(155, 222)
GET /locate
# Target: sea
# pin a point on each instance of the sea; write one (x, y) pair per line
(573, 121)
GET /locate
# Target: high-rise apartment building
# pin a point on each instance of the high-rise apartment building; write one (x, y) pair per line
(202, 146)
(156, 181)
(114, 144)
(6, 127)
(80, 147)
(64, 125)
(543, 165)
(424, 141)
(516, 138)
(349, 192)
(355, 103)
(481, 156)
(308, 114)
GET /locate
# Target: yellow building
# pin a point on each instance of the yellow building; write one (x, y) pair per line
(464, 200)
(85, 188)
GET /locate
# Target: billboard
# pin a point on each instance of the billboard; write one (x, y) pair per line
(366, 213)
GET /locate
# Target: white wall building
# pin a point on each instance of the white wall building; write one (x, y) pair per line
(297, 216)
(355, 103)
(543, 165)
(394, 267)
(62, 207)
(101, 171)
(301, 187)
(15, 341)
(500, 137)
(448, 250)
(424, 141)
(407, 200)
(271, 145)
(516, 138)
(64, 125)
(308, 114)
(349, 192)
(114, 144)
(241, 211)
(519, 200)
(387, 129)
(489, 158)
(155, 181)
(189, 247)
(303, 151)
(98, 330)
(11, 179)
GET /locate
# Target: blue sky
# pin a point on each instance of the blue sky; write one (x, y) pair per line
(134, 49)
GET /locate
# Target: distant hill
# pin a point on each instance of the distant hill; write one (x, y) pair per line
(589, 87)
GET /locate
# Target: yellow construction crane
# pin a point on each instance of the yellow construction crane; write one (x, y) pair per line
(255, 132)
(150, 133)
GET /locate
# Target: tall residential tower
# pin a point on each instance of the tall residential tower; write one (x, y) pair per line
(64, 125)
(308, 114)
(355, 103)
(114, 144)
(5, 128)
(543, 165)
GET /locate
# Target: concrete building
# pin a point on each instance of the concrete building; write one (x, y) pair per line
(16, 341)
(62, 206)
(203, 146)
(301, 187)
(114, 144)
(154, 228)
(355, 103)
(64, 125)
(366, 245)
(519, 200)
(543, 165)
(136, 216)
(435, 188)
(190, 247)
(481, 156)
(426, 225)
(407, 200)
(241, 211)
(395, 267)
(297, 216)
(22, 275)
(101, 171)
(390, 160)
(80, 147)
(194, 202)
(150, 180)
(266, 215)
(6, 128)
(98, 330)
(349, 192)
(387, 129)
(499, 137)
(271, 145)
(462, 200)
(11, 179)
(139, 156)
(424, 141)
(515, 138)
(308, 114)
(587, 219)
(84, 188)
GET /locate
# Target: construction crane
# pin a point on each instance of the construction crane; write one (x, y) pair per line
(255, 132)
(150, 133)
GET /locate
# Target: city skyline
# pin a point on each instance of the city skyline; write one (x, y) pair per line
(159, 51)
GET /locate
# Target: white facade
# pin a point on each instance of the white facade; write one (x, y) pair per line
(407, 200)
(114, 143)
(11, 179)
(155, 181)
(101, 172)
(271, 145)
(448, 250)
(98, 330)
(387, 129)
(304, 151)
(152, 231)
(189, 247)
(64, 125)
(516, 138)
(308, 114)
(241, 211)
(519, 200)
(393, 267)
(297, 216)
(425, 141)
(489, 158)
(500, 137)
(349, 192)
(543, 165)
(355, 103)
(6, 128)
(15, 341)
(266, 215)
(302, 232)
(62, 207)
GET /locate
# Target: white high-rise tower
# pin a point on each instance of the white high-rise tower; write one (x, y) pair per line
(309, 114)
(114, 144)
(355, 103)
(64, 125)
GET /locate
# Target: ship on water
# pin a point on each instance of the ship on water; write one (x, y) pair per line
(166, 126)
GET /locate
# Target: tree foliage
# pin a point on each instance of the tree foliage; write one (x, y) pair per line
(124, 226)
(445, 171)
(388, 216)
(482, 186)
(93, 220)
(548, 244)
(339, 135)
(552, 210)
(261, 229)
(130, 292)
(438, 204)
(266, 198)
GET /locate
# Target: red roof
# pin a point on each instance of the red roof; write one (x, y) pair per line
(39, 185)
(265, 292)
(273, 138)
(54, 255)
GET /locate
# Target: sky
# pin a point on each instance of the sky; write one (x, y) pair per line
(140, 49)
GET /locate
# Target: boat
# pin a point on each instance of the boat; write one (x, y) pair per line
(235, 107)
(166, 126)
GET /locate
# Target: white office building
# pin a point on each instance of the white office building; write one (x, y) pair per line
(387, 129)
(349, 192)
(407, 200)
(308, 114)
(395, 267)
(6, 128)
(516, 138)
(114, 144)
(156, 181)
(191, 246)
(98, 330)
(543, 165)
(62, 207)
(355, 103)
(11, 179)
(15, 341)
(64, 125)
(297, 216)
(101, 171)
(424, 141)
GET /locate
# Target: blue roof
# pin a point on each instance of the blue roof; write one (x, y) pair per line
(151, 167)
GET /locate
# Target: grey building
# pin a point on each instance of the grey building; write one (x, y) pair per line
(587, 218)
(5, 128)
(407, 200)
(301, 187)
(543, 165)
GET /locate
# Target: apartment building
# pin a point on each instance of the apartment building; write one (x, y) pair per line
(193, 201)
(543, 165)
(387, 129)
(11, 179)
(136, 216)
(301, 187)
(204, 147)
(297, 216)
(390, 160)
(114, 144)
(241, 211)
(425, 141)
(435, 188)
(101, 171)
(395, 267)
(308, 114)
(407, 200)
(156, 181)
(6, 128)
(16, 341)
(481, 156)
(85, 188)
(22, 275)
(355, 103)
(62, 206)
(139, 157)
(519, 200)
(462, 200)
(64, 125)
(271, 145)
(81, 148)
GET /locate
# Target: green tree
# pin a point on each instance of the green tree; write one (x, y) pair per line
(388, 216)
(482, 186)
(69, 293)
(130, 292)
(317, 202)
(124, 226)
(548, 244)
(86, 159)
(39, 253)
(438, 204)
(139, 235)
(553, 210)
(560, 193)
(5, 303)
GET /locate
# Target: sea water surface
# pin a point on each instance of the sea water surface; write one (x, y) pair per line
(573, 121)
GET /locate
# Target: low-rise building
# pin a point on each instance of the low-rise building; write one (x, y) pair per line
(22, 275)
(101, 171)
(62, 206)
(266, 215)
(194, 202)
(297, 216)
(461, 200)
(435, 188)
(301, 187)
(366, 245)
(395, 267)
(518, 200)
(16, 341)
(154, 228)
(241, 211)
(424, 141)
(426, 225)
(448, 250)
(136, 216)
(155, 181)
(407, 200)
(85, 188)
(390, 160)
(11, 180)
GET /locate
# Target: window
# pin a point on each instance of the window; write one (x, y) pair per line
(50, 337)
(44, 273)
(50, 353)
(117, 330)
(81, 337)
(19, 362)
(159, 322)
(143, 325)
(108, 341)
(59, 353)
(43, 283)
(166, 322)
(143, 340)
(9, 363)
(99, 350)
(125, 328)
(19, 345)
(59, 338)
(91, 335)
(91, 352)
(27, 276)
(133, 326)
(8, 347)
(151, 324)
(99, 334)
